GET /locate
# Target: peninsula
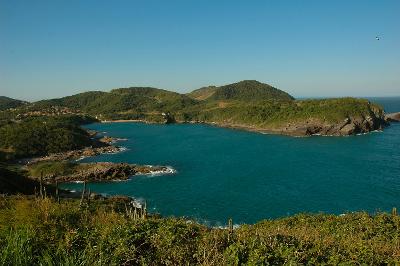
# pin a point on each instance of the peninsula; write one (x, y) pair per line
(248, 104)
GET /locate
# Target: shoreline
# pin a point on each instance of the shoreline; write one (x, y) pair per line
(97, 172)
(304, 130)
(221, 125)
(93, 171)
(128, 121)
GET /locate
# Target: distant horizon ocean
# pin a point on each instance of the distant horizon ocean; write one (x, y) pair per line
(226, 173)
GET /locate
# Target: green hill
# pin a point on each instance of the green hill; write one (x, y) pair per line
(249, 90)
(202, 93)
(7, 103)
(247, 104)
(124, 103)
(246, 90)
(43, 135)
(77, 101)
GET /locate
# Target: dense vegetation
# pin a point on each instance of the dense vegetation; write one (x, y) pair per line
(274, 113)
(125, 103)
(249, 90)
(42, 232)
(6, 103)
(43, 135)
(248, 103)
(202, 93)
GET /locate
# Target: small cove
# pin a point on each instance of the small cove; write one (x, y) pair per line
(248, 176)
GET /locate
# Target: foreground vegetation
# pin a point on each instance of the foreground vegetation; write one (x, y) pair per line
(43, 232)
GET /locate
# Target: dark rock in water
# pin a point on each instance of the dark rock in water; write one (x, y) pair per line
(393, 117)
(168, 118)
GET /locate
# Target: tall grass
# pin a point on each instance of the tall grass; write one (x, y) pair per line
(42, 232)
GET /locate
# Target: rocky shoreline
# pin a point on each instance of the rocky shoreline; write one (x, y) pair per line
(310, 127)
(349, 126)
(73, 155)
(90, 172)
(106, 171)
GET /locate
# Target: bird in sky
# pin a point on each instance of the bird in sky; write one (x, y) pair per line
(377, 38)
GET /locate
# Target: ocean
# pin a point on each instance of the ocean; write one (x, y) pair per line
(227, 173)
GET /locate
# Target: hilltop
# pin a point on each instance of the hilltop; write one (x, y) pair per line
(246, 90)
(247, 104)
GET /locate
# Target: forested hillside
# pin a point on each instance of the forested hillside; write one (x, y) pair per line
(247, 104)
(6, 103)
(124, 103)
(43, 135)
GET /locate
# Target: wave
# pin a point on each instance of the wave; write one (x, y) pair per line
(373, 131)
(215, 224)
(169, 170)
(115, 140)
(235, 226)
(120, 149)
(81, 158)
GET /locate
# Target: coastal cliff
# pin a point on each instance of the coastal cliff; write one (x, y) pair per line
(349, 126)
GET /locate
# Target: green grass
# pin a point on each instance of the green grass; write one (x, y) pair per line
(52, 168)
(42, 232)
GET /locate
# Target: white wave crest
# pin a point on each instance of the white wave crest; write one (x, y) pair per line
(167, 171)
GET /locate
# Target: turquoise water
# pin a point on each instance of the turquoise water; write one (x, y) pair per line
(224, 173)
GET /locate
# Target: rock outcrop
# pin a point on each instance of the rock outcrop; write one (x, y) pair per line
(73, 155)
(349, 126)
(106, 171)
(393, 117)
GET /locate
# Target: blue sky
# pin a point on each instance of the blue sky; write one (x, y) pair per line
(307, 48)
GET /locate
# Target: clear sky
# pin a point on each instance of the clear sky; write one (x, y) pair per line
(307, 48)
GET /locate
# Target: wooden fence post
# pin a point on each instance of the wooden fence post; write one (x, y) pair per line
(88, 196)
(230, 228)
(41, 185)
(145, 210)
(57, 194)
(83, 193)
